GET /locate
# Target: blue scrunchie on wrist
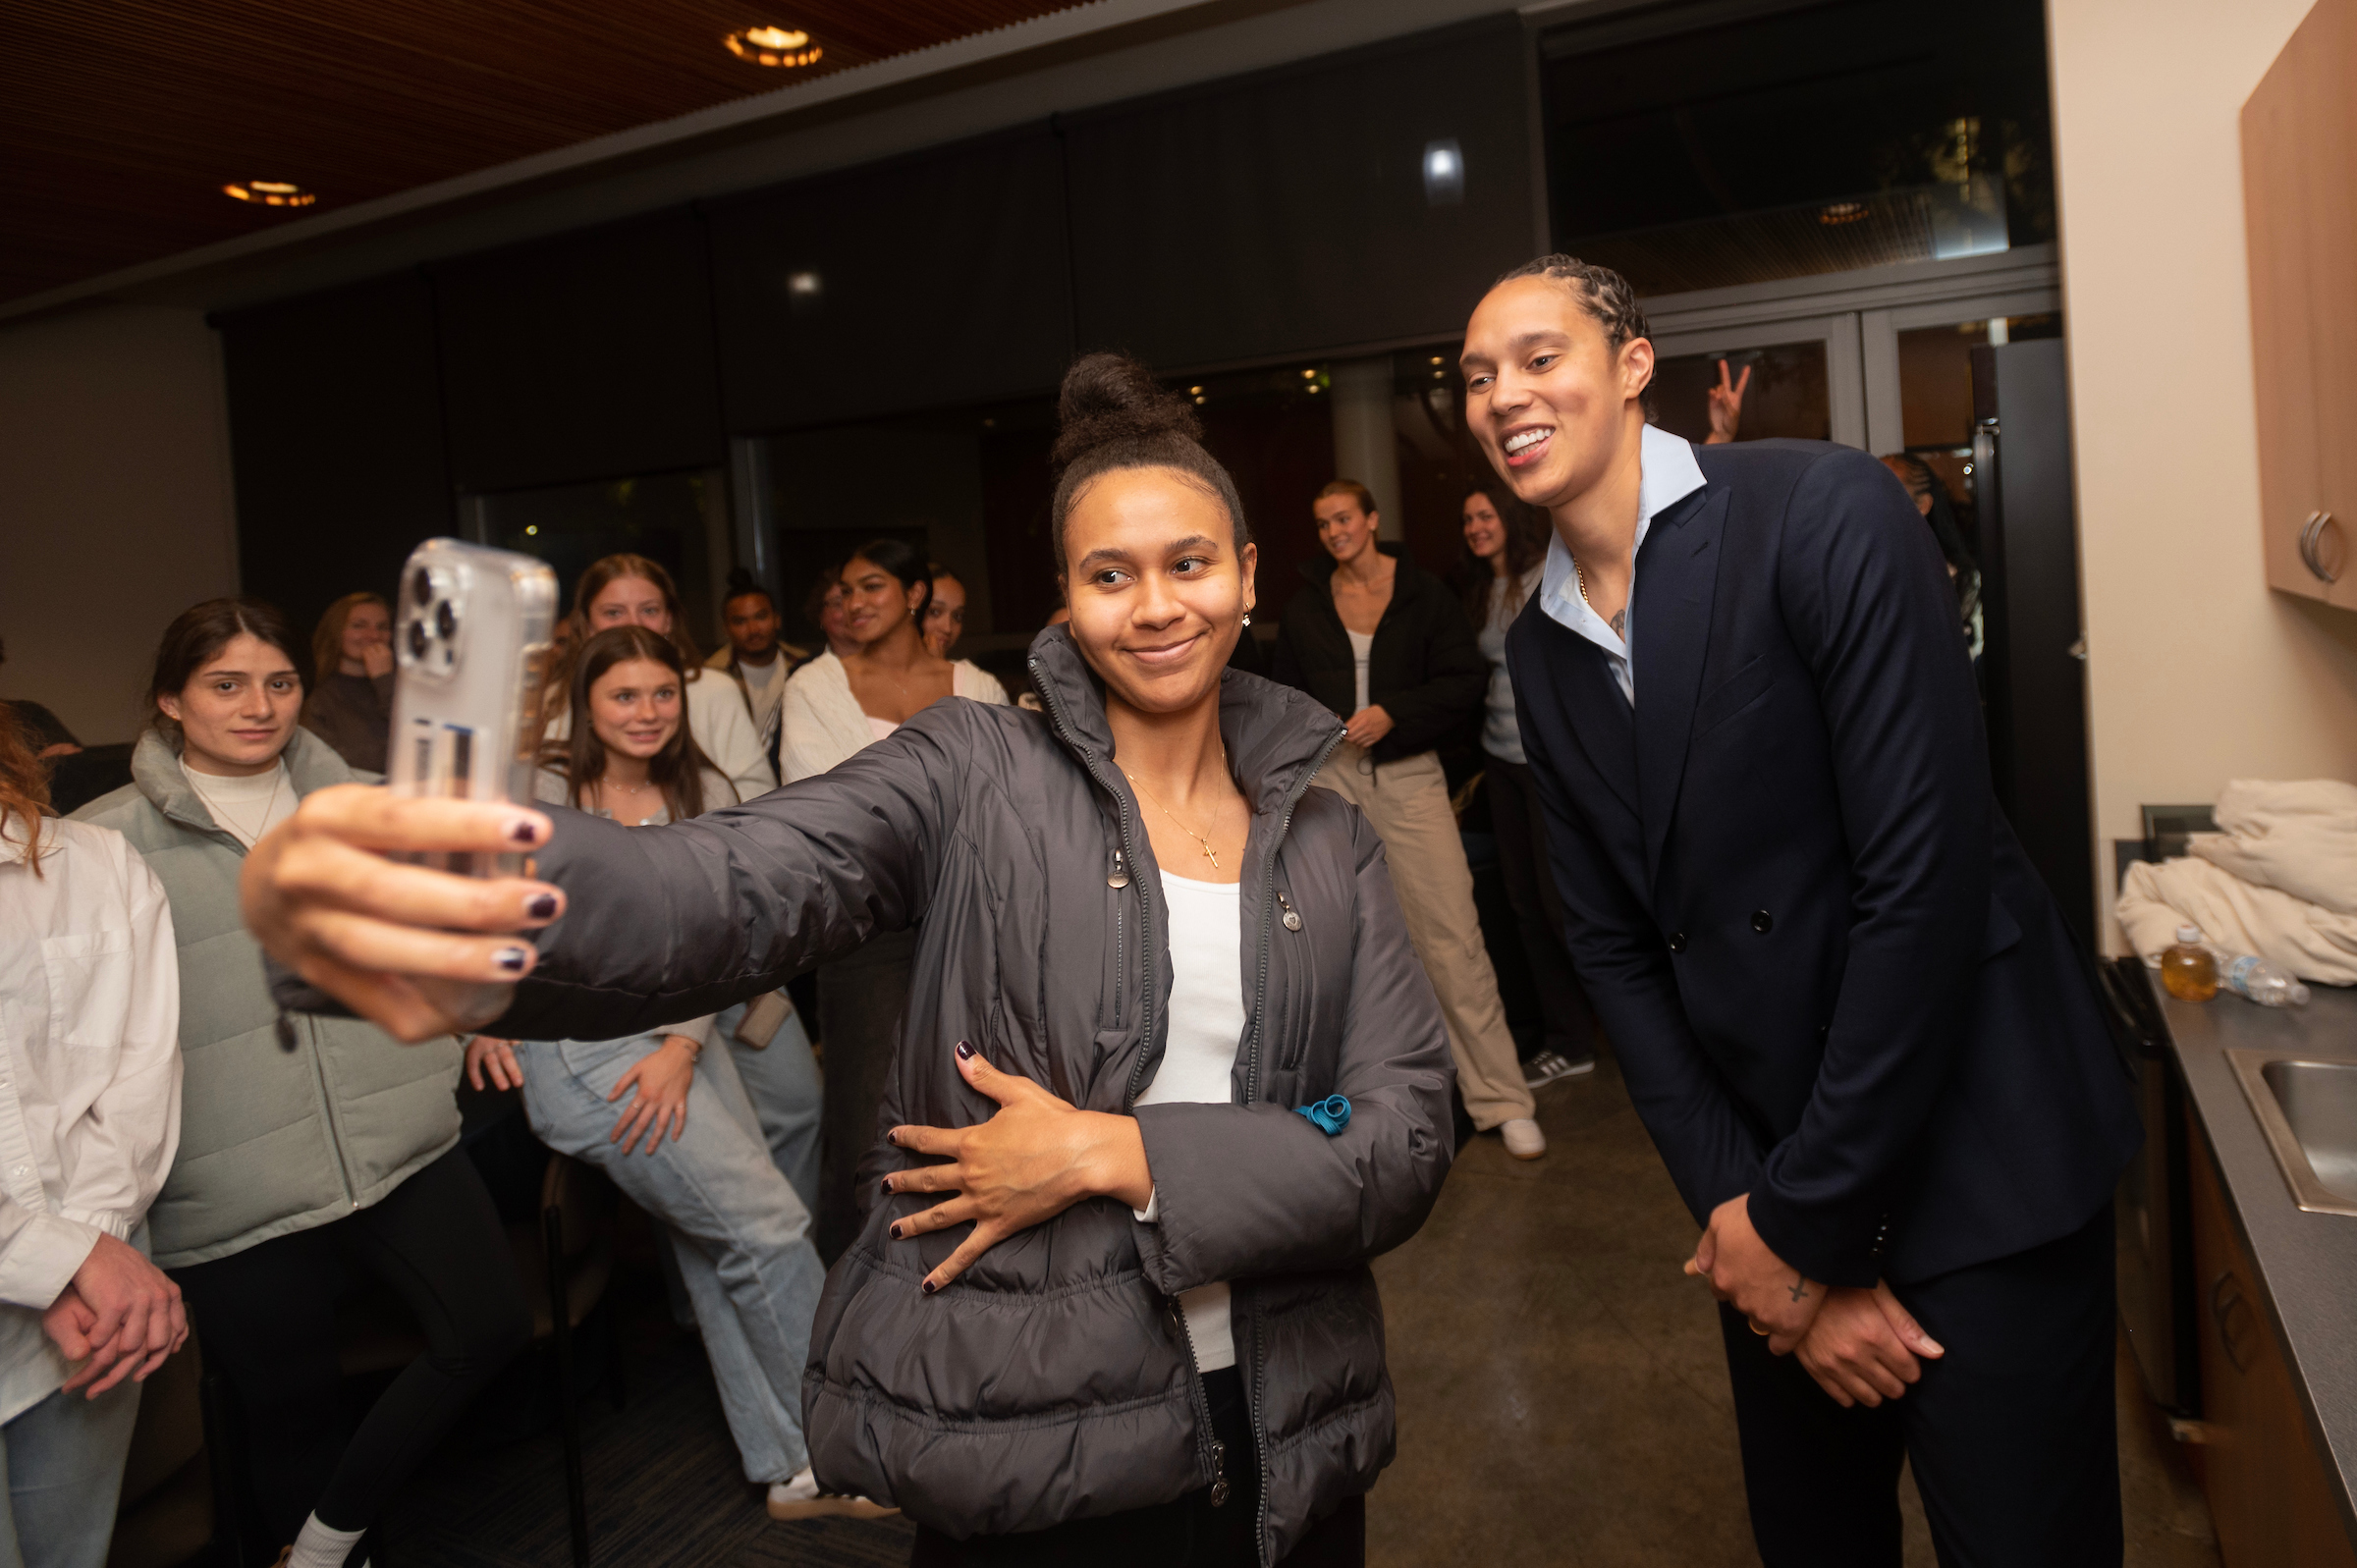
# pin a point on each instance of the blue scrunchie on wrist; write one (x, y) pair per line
(1329, 1115)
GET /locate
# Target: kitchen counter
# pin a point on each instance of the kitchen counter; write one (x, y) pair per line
(2307, 1261)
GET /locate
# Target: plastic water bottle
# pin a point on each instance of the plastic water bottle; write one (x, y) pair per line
(2262, 982)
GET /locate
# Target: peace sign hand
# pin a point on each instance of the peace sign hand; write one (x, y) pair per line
(1727, 405)
(1036, 1157)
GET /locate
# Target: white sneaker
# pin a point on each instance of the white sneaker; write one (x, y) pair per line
(1523, 1140)
(800, 1498)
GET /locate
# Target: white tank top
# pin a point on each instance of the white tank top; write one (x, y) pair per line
(1362, 645)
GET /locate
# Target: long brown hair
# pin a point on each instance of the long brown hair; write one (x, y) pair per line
(602, 573)
(24, 784)
(677, 769)
(327, 644)
(202, 630)
(1526, 534)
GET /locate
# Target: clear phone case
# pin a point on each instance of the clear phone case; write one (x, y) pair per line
(470, 637)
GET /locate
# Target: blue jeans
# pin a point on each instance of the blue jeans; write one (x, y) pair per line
(738, 1232)
(784, 1084)
(62, 1462)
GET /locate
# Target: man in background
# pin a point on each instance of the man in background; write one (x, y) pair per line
(754, 658)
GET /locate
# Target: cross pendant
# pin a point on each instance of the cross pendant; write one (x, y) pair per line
(1208, 856)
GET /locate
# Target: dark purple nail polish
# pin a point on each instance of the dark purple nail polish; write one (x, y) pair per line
(523, 832)
(965, 1052)
(542, 908)
(896, 1232)
(511, 959)
(928, 1288)
(885, 1184)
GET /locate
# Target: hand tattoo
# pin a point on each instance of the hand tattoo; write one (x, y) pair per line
(1800, 1289)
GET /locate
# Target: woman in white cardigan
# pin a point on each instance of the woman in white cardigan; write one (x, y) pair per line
(834, 707)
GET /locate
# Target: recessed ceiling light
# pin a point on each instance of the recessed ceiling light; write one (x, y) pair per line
(1194, 392)
(774, 46)
(271, 194)
(1840, 213)
(1309, 375)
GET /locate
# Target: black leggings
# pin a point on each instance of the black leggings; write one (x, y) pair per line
(268, 1320)
(1187, 1534)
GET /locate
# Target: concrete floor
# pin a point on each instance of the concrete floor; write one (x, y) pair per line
(1562, 1393)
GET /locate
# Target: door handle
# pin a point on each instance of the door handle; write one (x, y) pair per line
(2312, 536)
(2234, 1317)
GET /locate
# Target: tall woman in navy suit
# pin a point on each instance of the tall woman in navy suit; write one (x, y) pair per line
(1845, 1006)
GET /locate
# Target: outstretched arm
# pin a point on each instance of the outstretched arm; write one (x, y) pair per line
(636, 928)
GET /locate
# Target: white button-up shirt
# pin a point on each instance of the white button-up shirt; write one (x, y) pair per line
(90, 1073)
(1668, 475)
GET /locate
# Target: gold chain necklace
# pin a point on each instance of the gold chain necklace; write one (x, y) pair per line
(1207, 852)
(1580, 579)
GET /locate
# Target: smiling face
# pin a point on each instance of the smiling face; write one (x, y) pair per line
(634, 708)
(1156, 587)
(875, 603)
(1485, 530)
(631, 601)
(1546, 395)
(367, 625)
(237, 711)
(1345, 527)
(945, 616)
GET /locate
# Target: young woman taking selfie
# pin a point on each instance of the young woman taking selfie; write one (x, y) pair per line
(664, 1112)
(1171, 1074)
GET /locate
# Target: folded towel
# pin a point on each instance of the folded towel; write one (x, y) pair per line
(2298, 837)
(2311, 940)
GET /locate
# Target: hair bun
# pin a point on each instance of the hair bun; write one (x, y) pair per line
(1110, 398)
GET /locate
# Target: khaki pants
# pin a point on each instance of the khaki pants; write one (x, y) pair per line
(1407, 804)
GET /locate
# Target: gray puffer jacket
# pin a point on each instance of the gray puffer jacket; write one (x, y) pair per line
(1055, 1378)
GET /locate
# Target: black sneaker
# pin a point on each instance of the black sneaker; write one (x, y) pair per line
(1549, 1066)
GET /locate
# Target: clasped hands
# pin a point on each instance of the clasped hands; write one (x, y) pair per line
(121, 1316)
(1036, 1157)
(1860, 1345)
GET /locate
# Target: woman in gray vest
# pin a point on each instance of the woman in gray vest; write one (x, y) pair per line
(312, 1150)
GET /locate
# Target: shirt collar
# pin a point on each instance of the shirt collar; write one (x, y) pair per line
(1667, 475)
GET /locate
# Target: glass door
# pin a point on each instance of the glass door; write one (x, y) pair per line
(1799, 378)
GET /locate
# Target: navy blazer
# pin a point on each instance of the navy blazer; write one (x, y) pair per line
(1830, 976)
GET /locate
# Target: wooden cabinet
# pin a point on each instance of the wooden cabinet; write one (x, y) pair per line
(2299, 162)
(2271, 1497)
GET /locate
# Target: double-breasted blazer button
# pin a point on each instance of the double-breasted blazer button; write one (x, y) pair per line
(1677, 942)
(1762, 921)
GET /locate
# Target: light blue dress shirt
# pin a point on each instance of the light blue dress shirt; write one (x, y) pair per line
(1667, 475)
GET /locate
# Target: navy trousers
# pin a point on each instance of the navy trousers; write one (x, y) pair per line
(2012, 1434)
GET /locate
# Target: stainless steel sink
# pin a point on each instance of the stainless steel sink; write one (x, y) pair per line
(2308, 1111)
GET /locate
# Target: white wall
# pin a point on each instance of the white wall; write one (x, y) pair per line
(116, 510)
(2198, 672)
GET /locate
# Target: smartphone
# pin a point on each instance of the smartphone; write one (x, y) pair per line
(471, 640)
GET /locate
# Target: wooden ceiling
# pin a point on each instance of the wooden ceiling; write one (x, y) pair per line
(120, 123)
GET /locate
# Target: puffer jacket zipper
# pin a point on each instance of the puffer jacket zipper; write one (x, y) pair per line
(1209, 1453)
(1253, 1399)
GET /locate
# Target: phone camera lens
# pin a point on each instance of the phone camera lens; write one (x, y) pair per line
(416, 639)
(421, 586)
(446, 621)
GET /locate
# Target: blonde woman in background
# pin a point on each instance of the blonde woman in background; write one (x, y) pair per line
(626, 590)
(350, 701)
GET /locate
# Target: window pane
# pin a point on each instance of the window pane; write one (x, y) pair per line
(1785, 397)
(1815, 140)
(659, 516)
